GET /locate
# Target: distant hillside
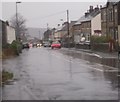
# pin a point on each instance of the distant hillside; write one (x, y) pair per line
(36, 32)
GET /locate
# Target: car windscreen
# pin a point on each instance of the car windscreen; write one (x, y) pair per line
(55, 43)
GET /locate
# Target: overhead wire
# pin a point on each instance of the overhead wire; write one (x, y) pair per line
(54, 14)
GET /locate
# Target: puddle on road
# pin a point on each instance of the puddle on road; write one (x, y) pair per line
(113, 62)
(55, 97)
(112, 77)
(109, 77)
(10, 82)
(108, 65)
(75, 88)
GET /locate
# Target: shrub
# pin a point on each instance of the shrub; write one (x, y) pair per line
(17, 46)
(11, 49)
(5, 46)
(14, 44)
(6, 76)
(99, 39)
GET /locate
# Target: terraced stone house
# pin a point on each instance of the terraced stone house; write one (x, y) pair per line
(110, 20)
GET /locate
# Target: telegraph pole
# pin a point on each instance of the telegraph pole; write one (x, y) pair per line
(39, 34)
(68, 42)
(47, 32)
(68, 26)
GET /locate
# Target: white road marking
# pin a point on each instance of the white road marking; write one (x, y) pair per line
(29, 92)
(111, 70)
(76, 61)
(97, 55)
(97, 69)
(101, 70)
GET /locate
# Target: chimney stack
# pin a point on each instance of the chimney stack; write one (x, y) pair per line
(97, 8)
(100, 6)
(87, 13)
(91, 9)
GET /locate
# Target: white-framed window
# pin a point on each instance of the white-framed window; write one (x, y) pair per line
(87, 37)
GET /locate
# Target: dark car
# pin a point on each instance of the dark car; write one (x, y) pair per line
(25, 45)
(34, 45)
(46, 44)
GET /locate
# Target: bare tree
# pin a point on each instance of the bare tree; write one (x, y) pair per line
(19, 25)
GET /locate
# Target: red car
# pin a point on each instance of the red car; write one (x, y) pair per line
(55, 45)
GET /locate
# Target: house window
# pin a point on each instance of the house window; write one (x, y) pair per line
(116, 33)
(115, 10)
(116, 16)
(84, 25)
(87, 37)
(103, 15)
(111, 32)
(110, 15)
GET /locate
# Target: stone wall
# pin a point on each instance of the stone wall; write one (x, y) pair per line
(82, 46)
(8, 52)
(102, 47)
(119, 34)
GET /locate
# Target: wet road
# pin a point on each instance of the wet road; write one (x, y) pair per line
(45, 74)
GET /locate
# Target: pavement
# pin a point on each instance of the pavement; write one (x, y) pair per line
(108, 59)
(23, 93)
(102, 54)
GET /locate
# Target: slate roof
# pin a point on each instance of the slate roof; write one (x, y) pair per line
(87, 18)
(113, 1)
(64, 27)
(59, 28)
(80, 20)
(94, 13)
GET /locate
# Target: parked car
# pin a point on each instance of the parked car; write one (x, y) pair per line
(39, 45)
(46, 44)
(34, 45)
(25, 45)
(56, 44)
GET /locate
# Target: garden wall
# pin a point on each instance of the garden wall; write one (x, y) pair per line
(8, 52)
(102, 47)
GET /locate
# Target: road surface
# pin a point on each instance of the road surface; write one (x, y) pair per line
(46, 74)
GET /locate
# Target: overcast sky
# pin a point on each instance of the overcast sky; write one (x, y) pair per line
(38, 14)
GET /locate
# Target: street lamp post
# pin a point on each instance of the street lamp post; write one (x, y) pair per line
(17, 30)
